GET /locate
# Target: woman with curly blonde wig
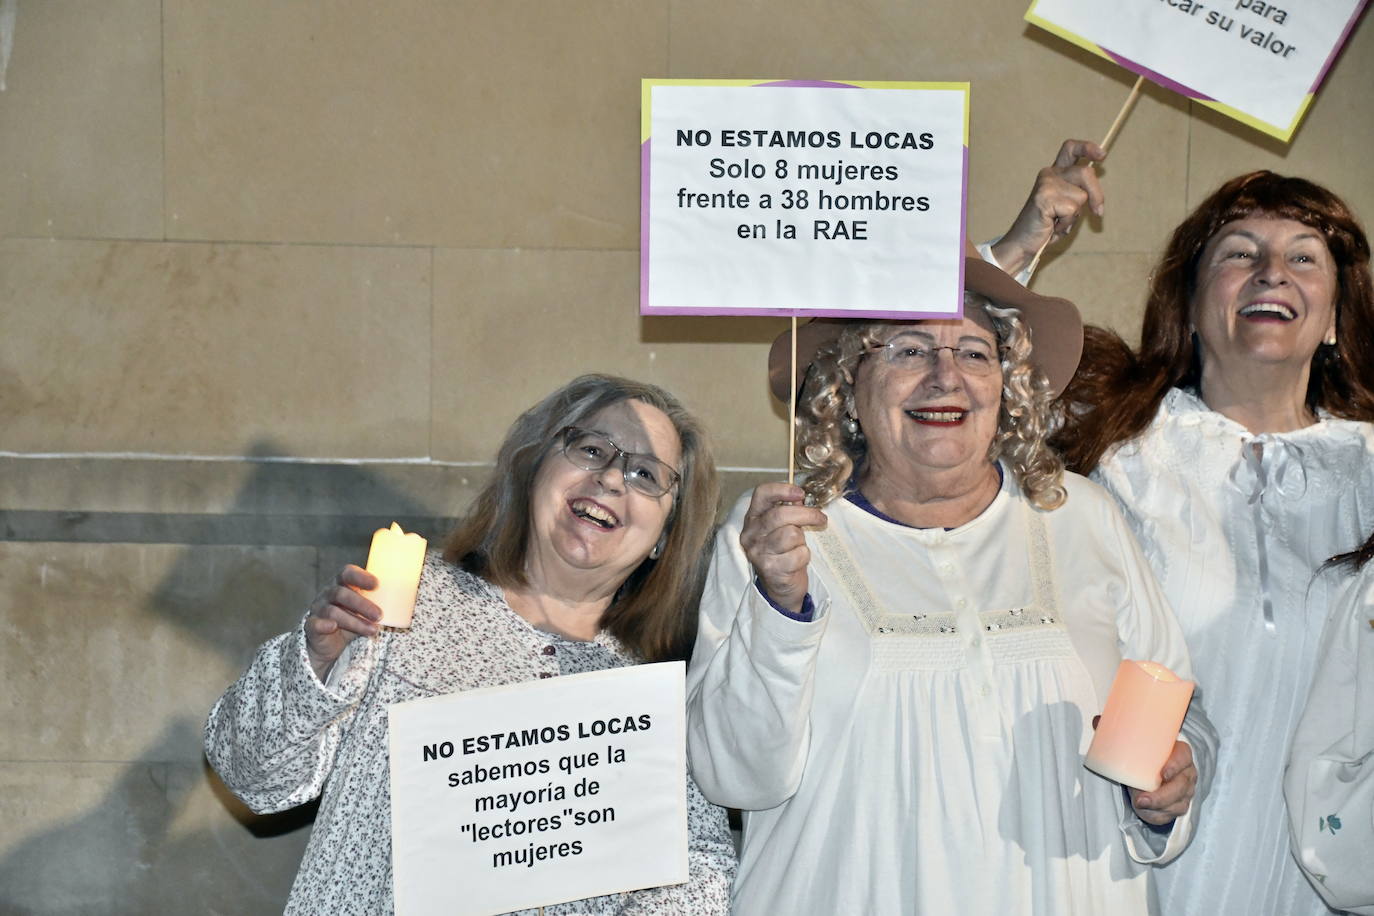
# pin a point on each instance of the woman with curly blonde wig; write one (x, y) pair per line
(898, 663)
(829, 451)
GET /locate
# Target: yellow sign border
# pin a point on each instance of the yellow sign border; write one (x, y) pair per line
(1274, 130)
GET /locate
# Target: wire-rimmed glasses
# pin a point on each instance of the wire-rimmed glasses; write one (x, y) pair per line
(592, 451)
(912, 352)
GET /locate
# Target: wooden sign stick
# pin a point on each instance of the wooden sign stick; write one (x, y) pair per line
(792, 410)
(1105, 144)
(1121, 115)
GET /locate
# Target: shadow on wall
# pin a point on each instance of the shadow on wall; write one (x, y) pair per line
(131, 854)
(737, 329)
(164, 835)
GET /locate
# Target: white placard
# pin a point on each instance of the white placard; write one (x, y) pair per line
(539, 793)
(803, 198)
(1256, 61)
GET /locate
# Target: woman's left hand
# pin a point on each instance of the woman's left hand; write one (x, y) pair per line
(1175, 794)
(1061, 190)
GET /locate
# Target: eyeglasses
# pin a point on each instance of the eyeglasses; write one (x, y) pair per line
(911, 353)
(592, 451)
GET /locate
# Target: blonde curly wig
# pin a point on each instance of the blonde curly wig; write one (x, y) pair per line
(829, 453)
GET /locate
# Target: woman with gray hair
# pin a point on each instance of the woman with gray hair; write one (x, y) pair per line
(585, 551)
(898, 663)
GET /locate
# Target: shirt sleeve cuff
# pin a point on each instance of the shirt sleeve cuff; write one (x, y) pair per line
(1151, 845)
(985, 251)
(805, 615)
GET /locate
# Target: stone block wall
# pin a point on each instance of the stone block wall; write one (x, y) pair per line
(275, 273)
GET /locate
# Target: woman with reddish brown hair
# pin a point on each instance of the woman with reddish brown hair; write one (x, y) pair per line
(1238, 440)
(1132, 384)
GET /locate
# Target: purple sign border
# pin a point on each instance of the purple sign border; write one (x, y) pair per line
(1158, 79)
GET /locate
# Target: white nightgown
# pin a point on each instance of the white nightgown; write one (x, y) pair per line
(917, 747)
(1235, 526)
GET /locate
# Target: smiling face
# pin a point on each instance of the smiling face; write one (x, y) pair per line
(1265, 292)
(918, 422)
(590, 524)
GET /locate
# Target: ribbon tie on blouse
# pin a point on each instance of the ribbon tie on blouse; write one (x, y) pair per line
(1266, 460)
(1270, 465)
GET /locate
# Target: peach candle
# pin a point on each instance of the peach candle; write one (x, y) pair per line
(1138, 728)
(395, 559)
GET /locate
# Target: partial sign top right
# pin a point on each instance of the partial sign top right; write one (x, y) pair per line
(1258, 62)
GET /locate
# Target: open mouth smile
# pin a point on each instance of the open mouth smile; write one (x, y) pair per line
(1268, 311)
(594, 513)
(938, 416)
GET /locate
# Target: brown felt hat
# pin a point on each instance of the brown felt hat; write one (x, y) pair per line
(1056, 329)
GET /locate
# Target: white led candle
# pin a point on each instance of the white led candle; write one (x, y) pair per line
(1139, 724)
(395, 559)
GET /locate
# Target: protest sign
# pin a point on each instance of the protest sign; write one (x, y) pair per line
(538, 793)
(1256, 61)
(803, 198)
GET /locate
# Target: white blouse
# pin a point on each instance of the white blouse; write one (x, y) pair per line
(1329, 784)
(917, 747)
(1235, 526)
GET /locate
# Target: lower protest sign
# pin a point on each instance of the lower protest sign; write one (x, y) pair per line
(532, 794)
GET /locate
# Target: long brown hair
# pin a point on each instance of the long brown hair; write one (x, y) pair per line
(1117, 391)
(654, 612)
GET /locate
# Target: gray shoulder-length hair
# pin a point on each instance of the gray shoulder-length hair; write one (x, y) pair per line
(653, 614)
(829, 455)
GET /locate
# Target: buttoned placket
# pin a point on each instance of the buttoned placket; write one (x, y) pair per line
(548, 660)
(957, 584)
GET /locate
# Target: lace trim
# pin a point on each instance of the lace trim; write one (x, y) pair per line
(995, 622)
(1041, 564)
(880, 623)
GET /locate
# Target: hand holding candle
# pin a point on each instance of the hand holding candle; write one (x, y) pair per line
(338, 615)
(1174, 796)
(396, 559)
(1139, 725)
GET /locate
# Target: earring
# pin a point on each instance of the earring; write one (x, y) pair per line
(1330, 341)
(657, 551)
(851, 426)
